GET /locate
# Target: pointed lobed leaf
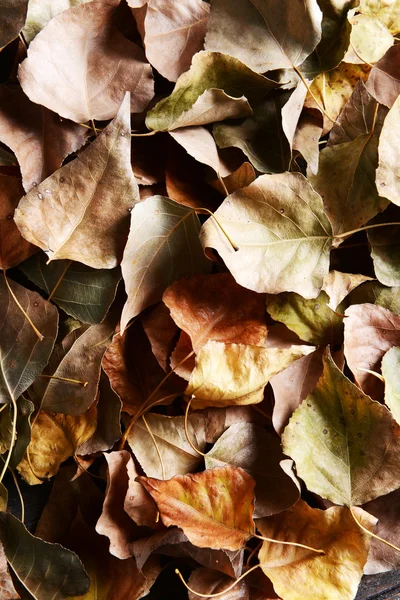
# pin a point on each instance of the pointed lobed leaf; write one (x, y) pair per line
(388, 172)
(344, 444)
(276, 36)
(80, 66)
(232, 374)
(82, 292)
(281, 233)
(390, 372)
(22, 355)
(46, 570)
(214, 508)
(297, 573)
(82, 211)
(163, 245)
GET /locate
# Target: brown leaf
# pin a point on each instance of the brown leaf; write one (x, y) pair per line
(208, 582)
(114, 522)
(369, 332)
(82, 211)
(214, 508)
(138, 504)
(13, 248)
(37, 136)
(381, 557)
(173, 33)
(384, 80)
(7, 590)
(242, 177)
(12, 20)
(219, 420)
(215, 307)
(161, 331)
(80, 66)
(134, 372)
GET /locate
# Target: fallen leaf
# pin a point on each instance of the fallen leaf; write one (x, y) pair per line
(388, 173)
(7, 588)
(166, 452)
(374, 292)
(385, 247)
(81, 213)
(306, 138)
(242, 177)
(212, 90)
(199, 143)
(390, 368)
(139, 505)
(82, 292)
(37, 136)
(12, 19)
(339, 285)
(250, 447)
(40, 566)
(384, 80)
(387, 12)
(275, 36)
(292, 254)
(208, 582)
(343, 443)
(163, 246)
(214, 508)
(227, 374)
(161, 331)
(215, 307)
(369, 332)
(23, 355)
(369, 39)
(381, 557)
(173, 30)
(334, 575)
(291, 112)
(40, 12)
(13, 248)
(89, 82)
(218, 420)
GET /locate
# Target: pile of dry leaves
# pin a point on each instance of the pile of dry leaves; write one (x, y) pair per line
(199, 298)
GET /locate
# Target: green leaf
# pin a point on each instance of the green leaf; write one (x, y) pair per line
(260, 137)
(312, 320)
(212, 90)
(22, 355)
(281, 235)
(374, 292)
(163, 246)
(47, 571)
(40, 12)
(82, 292)
(345, 445)
(390, 372)
(264, 34)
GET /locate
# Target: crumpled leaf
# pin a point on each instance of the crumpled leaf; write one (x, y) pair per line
(215, 307)
(77, 85)
(384, 80)
(163, 246)
(214, 508)
(388, 172)
(82, 292)
(390, 370)
(212, 90)
(344, 444)
(13, 248)
(23, 355)
(37, 136)
(335, 574)
(12, 19)
(173, 448)
(276, 36)
(250, 447)
(82, 211)
(173, 33)
(227, 374)
(369, 332)
(45, 570)
(40, 12)
(292, 254)
(55, 437)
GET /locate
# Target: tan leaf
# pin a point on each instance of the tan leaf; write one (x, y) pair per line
(384, 81)
(215, 307)
(339, 285)
(138, 504)
(40, 12)
(219, 420)
(369, 39)
(173, 448)
(163, 246)
(227, 374)
(82, 211)
(369, 332)
(37, 136)
(297, 573)
(381, 557)
(174, 32)
(13, 248)
(214, 508)
(200, 144)
(388, 172)
(208, 582)
(306, 138)
(292, 110)
(55, 437)
(80, 66)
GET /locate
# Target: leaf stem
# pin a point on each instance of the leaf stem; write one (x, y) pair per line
(220, 226)
(14, 422)
(187, 431)
(156, 447)
(378, 375)
(67, 379)
(17, 302)
(377, 537)
(218, 594)
(59, 280)
(265, 539)
(299, 73)
(21, 498)
(374, 226)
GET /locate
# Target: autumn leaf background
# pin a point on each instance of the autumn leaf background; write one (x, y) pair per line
(199, 298)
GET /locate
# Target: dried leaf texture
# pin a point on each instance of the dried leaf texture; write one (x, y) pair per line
(82, 211)
(89, 80)
(12, 19)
